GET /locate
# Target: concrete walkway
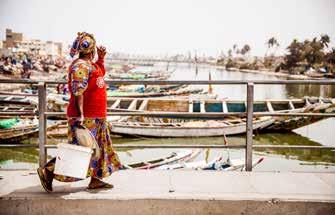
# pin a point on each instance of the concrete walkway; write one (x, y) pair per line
(174, 192)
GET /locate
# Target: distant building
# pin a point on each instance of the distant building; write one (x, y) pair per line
(36, 46)
(12, 38)
(60, 48)
(16, 43)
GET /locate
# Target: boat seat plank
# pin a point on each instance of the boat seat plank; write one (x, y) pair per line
(143, 105)
(202, 107)
(132, 105)
(224, 107)
(116, 104)
(8, 98)
(321, 100)
(291, 105)
(190, 106)
(269, 105)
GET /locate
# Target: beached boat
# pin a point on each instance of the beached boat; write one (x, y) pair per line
(177, 126)
(180, 156)
(182, 105)
(230, 164)
(17, 102)
(15, 129)
(137, 75)
(216, 164)
(58, 102)
(22, 129)
(155, 91)
(286, 124)
(9, 98)
(188, 128)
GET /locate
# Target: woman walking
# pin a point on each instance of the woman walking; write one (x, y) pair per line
(87, 107)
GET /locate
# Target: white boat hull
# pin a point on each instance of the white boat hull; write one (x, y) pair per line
(180, 131)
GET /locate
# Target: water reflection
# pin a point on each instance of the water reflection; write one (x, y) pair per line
(322, 155)
(28, 155)
(310, 90)
(190, 72)
(276, 159)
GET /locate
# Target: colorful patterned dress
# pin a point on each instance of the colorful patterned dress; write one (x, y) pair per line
(108, 162)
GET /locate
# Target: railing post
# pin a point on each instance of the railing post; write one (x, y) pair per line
(42, 123)
(249, 128)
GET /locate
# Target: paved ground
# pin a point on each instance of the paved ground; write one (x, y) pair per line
(174, 192)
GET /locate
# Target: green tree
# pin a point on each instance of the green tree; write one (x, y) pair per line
(312, 52)
(330, 60)
(230, 53)
(325, 40)
(272, 42)
(245, 49)
(294, 56)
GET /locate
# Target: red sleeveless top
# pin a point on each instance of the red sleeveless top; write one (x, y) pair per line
(95, 96)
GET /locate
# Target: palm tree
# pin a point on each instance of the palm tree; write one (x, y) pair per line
(325, 40)
(235, 49)
(271, 43)
(230, 53)
(246, 48)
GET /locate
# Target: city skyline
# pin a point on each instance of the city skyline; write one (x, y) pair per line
(169, 27)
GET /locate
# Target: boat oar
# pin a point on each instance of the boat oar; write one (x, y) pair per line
(225, 141)
(207, 155)
(129, 154)
(210, 89)
(254, 163)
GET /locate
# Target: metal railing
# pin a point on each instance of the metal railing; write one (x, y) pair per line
(249, 114)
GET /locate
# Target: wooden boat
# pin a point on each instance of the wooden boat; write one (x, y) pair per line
(216, 164)
(209, 128)
(137, 75)
(7, 98)
(184, 126)
(161, 92)
(58, 102)
(22, 130)
(16, 102)
(230, 164)
(181, 156)
(25, 129)
(287, 124)
(215, 105)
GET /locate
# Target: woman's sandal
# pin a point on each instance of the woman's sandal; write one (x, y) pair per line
(101, 185)
(44, 180)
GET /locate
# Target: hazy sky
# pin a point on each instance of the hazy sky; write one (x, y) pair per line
(171, 26)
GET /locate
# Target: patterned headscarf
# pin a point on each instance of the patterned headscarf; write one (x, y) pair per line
(84, 43)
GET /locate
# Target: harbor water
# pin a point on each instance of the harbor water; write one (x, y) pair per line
(318, 134)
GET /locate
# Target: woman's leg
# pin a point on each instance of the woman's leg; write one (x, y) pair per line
(46, 175)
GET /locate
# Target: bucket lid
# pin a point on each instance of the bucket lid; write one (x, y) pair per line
(74, 147)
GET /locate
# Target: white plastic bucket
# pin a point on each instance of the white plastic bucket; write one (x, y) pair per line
(72, 160)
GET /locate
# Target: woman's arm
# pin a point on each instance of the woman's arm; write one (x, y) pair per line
(79, 103)
(101, 58)
(79, 82)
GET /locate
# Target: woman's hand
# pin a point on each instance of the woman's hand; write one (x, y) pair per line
(101, 52)
(80, 121)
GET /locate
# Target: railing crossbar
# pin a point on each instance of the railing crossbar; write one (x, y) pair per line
(43, 114)
(195, 82)
(200, 146)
